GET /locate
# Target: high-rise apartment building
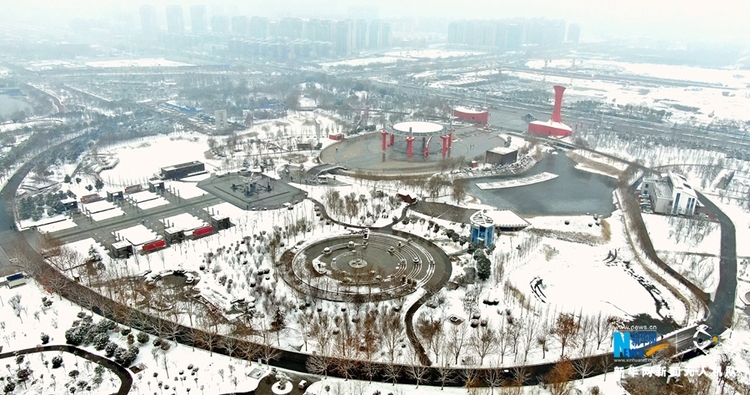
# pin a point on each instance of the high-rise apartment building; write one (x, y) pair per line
(198, 19)
(507, 34)
(240, 25)
(574, 33)
(360, 34)
(343, 44)
(220, 24)
(259, 27)
(148, 19)
(175, 21)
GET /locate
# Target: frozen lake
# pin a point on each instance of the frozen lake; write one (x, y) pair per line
(9, 105)
(573, 192)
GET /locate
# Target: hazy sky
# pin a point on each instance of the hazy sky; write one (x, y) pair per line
(716, 20)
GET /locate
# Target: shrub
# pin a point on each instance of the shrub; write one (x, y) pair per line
(125, 357)
(142, 337)
(110, 349)
(45, 338)
(100, 341)
(23, 374)
(75, 335)
(56, 361)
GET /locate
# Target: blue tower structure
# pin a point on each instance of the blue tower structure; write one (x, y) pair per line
(482, 229)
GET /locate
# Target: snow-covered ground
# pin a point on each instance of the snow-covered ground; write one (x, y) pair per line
(688, 245)
(22, 328)
(432, 53)
(727, 100)
(145, 62)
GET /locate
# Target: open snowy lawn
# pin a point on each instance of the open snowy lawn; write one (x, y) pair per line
(683, 234)
(22, 327)
(688, 245)
(160, 150)
(575, 277)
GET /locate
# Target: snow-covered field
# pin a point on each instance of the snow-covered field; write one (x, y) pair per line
(537, 273)
(432, 53)
(688, 245)
(727, 100)
(23, 326)
(145, 62)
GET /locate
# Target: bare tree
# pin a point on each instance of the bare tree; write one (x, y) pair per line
(267, 351)
(319, 364)
(456, 340)
(471, 378)
(564, 330)
(606, 363)
(558, 379)
(600, 329)
(370, 368)
(231, 345)
(168, 327)
(584, 333)
(208, 335)
(320, 330)
(529, 336)
(503, 341)
(392, 332)
(459, 189)
(520, 375)
(542, 337)
(483, 342)
(392, 371)
(416, 370)
(584, 366)
(249, 350)
(494, 376)
(369, 339)
(725, 361)
(429, 329)
(443, 368)
(513, 330)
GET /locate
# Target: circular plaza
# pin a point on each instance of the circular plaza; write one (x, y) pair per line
(365, 266)
(414, 146)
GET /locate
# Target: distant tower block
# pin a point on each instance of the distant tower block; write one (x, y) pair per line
(221, 119)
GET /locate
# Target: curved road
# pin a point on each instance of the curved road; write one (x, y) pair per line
(126, 380)
(10, 241)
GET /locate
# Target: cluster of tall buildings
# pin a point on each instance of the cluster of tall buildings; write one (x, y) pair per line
(258, 35)
(512, 34)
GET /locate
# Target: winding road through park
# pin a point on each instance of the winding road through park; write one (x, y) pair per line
(16, 244)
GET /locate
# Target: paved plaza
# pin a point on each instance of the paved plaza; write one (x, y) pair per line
(252, 192)
(366, 152)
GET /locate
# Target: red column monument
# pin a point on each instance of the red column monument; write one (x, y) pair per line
(558, 103)
(409, 146)
(393, 139)
(384, 134)
(445, 139)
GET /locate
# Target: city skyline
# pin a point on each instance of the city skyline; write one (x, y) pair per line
(664, 20)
